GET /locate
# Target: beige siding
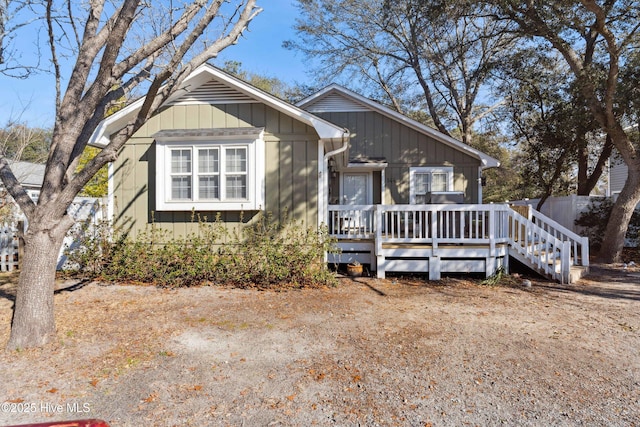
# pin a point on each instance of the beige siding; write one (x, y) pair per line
(376, 135)
(291, 167)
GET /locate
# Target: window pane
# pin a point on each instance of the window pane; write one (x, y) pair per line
(208, 161)
(422, 183)
(439, 181)
(236, 187)
(208, 187)
(181, 188)
(236, 159)
(181, 161)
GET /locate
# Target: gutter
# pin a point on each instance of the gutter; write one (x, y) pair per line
(345, 142)
(323, 202)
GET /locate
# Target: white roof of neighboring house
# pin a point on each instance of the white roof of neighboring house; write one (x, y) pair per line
(28, 174)
(208, 84)
(340, 99)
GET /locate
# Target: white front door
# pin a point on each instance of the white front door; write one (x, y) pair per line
(356, 189)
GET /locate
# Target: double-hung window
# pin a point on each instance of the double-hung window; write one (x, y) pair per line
(427, 180)
(209, 170)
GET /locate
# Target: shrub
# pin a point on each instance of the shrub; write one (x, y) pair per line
(266, 254)
(594, 221)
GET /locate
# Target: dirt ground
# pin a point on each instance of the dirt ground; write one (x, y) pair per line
(399, 351)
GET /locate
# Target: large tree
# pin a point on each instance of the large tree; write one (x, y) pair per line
(560, 143)
(416, 54)
(119, 49)
(596, 39)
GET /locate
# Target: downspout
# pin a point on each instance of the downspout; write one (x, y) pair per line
(324, 203)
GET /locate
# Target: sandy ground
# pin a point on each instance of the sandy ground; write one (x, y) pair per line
(399, 351)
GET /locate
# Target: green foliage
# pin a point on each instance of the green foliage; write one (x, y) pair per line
(499, 277)
(98, 185)
(267, 254)
(90, 247)
(503, 183)
(594, 221)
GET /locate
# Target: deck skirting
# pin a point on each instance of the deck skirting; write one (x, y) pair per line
(416, 258)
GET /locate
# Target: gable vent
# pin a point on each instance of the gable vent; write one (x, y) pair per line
(213, 92)
(336, 103)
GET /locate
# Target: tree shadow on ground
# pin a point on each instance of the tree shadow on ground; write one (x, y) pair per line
(603, 282)
(9, 285)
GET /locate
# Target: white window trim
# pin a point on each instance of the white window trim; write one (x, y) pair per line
(255, 172)
(430, 170)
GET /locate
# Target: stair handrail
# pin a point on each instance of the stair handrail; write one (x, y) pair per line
(535, 238)
(579, 244)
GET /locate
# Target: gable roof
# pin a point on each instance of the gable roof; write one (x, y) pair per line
(210, 85)
(28, 174)
(335, 98)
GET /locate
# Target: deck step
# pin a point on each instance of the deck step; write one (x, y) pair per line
(577, 272)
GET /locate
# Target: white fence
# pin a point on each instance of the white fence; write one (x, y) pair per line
(86, 211)
(563, 210)
(9, 247)
(82, 209)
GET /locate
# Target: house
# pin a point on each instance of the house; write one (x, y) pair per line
(398, 195)
(30, 176)
(618, 169)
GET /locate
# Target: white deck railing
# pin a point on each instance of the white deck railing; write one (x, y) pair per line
(579, 244)
(432, 224)
(542, 242)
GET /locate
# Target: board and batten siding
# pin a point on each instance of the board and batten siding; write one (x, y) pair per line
(291, 167)
(376, 135)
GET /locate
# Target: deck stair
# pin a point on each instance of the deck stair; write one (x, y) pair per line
(456, 238)
(546, 246)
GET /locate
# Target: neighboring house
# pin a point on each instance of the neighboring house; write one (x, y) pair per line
(618, 170)
(392, 190)
(30, 176)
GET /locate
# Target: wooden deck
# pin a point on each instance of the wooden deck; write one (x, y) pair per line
(438, 239)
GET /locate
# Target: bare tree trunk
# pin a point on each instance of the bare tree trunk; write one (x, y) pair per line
(33, 322)
(586, 182)
(621, 213)
(89, 95)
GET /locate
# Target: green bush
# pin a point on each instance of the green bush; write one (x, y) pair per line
(266, 254)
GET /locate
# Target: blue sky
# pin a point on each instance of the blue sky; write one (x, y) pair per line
(260, 51)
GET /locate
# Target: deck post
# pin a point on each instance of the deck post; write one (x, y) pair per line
(505, 262)
(565, 263)
(492, 231)
(435, 219)
(585, 251)
(380, 258)
(490, 266)
(434, 268)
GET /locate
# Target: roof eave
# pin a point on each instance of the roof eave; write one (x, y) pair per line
(115, 122)
(485, 160)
